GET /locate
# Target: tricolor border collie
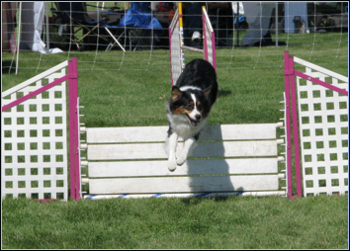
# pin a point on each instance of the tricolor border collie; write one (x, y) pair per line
(188, 108)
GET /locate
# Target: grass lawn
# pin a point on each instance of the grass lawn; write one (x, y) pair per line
(215, 223)
(131, 89)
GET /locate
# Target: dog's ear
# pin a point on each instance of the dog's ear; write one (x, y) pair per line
(207, 91)
(176, 94)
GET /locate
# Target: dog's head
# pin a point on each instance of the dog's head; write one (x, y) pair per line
(192, 103)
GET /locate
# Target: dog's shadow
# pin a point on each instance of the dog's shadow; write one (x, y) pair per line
(224, 93)
(210, 174)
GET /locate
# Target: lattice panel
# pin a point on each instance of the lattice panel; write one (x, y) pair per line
(209, 40)
(177, 58)
(175, 49)
(323, 120)
(34, 145)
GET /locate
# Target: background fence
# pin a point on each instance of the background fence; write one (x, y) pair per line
(229, 35)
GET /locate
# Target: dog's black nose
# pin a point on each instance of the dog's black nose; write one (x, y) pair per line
(198, 116)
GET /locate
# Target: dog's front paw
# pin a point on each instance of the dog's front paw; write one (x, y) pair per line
(181, 159)
(172, 165)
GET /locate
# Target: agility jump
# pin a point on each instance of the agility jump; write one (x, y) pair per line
(318, 99)
(239, 159)
(34, 136)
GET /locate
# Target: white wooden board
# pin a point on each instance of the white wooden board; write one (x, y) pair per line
(202, 150)
(191, 167)
(247, 162)
(184, 184)
(159, 133)
(182, 195)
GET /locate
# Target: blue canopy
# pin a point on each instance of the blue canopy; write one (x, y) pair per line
(139, 19)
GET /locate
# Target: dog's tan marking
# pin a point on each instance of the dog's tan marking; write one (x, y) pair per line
(176, 94)
(181, 110)
(200, 107)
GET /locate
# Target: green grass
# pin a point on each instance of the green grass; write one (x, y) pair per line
(131, 90)
(215, 223)
(119, 89)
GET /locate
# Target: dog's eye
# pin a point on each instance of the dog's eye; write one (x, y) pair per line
(199, 106)
(189, 107)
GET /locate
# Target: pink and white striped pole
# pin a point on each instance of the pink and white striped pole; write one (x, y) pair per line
(74, 130)
(291, 106)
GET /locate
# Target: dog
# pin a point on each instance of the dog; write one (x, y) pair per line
(188, 108)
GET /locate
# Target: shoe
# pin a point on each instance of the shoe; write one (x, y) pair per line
(196, 36)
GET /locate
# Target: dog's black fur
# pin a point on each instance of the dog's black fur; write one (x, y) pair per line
(188, 108)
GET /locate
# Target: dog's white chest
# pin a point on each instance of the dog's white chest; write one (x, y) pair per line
(181, 126)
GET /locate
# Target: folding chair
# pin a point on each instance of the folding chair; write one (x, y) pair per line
(76, 15)
(109, 23)
(138, 24)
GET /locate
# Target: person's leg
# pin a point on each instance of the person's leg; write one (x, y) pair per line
(194, 18)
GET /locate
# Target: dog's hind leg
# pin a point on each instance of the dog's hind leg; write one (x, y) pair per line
(172, 143)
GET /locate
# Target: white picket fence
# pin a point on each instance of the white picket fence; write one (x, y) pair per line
(321, 101)
(34, 161)
(323, 128)
(229, 159)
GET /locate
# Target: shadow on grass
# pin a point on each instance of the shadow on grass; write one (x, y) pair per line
(197, 200)
(8, 67)
(224, 93)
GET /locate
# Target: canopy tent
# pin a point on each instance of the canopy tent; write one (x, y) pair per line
(258, 16)
(294, 10)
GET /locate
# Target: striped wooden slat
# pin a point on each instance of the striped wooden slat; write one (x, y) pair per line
(131, 160)
(182, 195)
(191, 167)
(202, 150)
(159, 133)
(184, 184)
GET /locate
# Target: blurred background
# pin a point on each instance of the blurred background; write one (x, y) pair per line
(120, 28)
